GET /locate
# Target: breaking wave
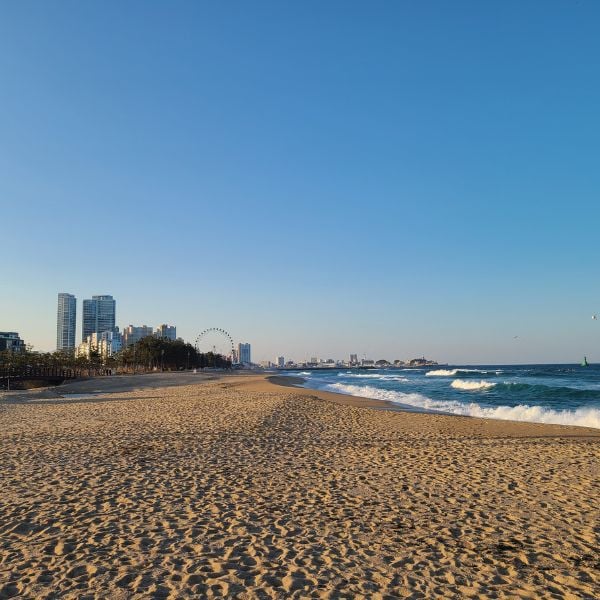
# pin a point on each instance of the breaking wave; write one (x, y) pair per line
(442, 373)
(465, 384)
(583, 416)
(380, 377)
(361, 375)
(453, 372)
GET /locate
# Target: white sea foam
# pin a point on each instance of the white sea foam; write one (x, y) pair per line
(305, 373)
(361, 375)
(453, 372)
(373, 376)
(583, 417)
(466, 384)
(442, 373)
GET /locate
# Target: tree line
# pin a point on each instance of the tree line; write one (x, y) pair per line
(148, 354)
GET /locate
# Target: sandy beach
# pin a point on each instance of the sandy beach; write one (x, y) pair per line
(239, 487)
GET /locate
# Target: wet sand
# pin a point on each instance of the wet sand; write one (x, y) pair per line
(239, 487)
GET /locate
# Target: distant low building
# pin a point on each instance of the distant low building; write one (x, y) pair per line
(88, 347)
(166, 332)
(132, 334)
(109, 343)
(10, 340)
(105, 345)
(422, 362)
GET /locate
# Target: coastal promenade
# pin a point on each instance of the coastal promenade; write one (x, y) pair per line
(195, 485)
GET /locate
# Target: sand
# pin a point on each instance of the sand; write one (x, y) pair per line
(240, 488)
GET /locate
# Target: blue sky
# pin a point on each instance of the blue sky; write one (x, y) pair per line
(319, 178)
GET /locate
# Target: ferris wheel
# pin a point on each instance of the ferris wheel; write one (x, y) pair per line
(217, 341)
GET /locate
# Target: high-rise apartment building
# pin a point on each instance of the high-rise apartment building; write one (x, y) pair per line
(354, 359)
(243, 354)
(66, 322)
(168, 332)
(132, 334)
(98, 315)
(280, 362)
(109, 343)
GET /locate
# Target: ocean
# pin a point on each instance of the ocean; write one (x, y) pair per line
(560, 394)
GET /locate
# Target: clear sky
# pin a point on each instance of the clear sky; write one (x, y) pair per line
(319, 178)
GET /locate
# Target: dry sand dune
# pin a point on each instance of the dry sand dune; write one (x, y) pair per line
(248, 490)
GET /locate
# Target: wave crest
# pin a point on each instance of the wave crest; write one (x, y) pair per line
(380, 377)
(582, 417)
(361, 375)
(453, 372)
(464, 384)
(442, 373)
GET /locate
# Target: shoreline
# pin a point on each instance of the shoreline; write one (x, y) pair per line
(375, 403)
(396, 406)
(484, 426)
(103, 388)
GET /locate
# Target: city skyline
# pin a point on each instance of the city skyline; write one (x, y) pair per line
(401, 352)
(99, 319)
(419, 184)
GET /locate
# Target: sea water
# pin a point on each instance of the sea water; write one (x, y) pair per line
(560, 394)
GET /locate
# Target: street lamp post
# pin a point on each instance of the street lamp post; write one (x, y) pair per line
(162, 360)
